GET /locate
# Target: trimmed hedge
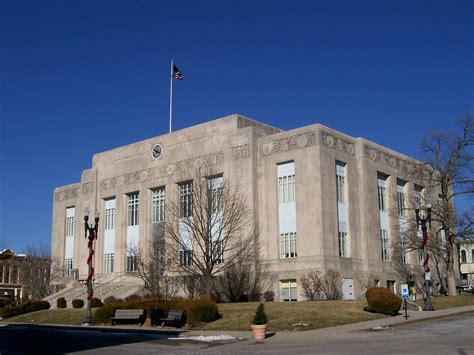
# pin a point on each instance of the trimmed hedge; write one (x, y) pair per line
(96, 302)
(197, 310)
(382, 300)
(24, 308)
(61, 303)
(77, 303)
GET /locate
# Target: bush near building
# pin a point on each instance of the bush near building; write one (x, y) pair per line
(77, 303)
(24, 308)
(198, 311)
(96, 302)
(61, 303)
(382, 300)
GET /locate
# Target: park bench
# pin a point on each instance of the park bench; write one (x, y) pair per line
(129, 316)
(176, 317)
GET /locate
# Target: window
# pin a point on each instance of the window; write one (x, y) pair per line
(385, 244)
(109, 218)
(404, 247)
(186, 257)
(286, 183)
(342, 244)
(340, 182)
(69, 267)
(186, 199)
(218, 251)
(158, 205)
(289, 290)
(418, 196)
(391, 286)
(215, 187)
(70, 226)
(133, 208)
(108, 263)
(288, 245)
(463, 256)
(401, 198)
(381, 192)
(132, 263)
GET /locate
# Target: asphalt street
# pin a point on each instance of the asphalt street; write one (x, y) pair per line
(450, 335)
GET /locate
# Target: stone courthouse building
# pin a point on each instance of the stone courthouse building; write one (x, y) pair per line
(323, 200)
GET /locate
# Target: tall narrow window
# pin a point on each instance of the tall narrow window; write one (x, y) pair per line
(186, 199)
(404, 247)
(401, 198)
(69, 267)
(288, 245)
(341, 182)
(69, 245)
(463, 256)
(70, 226)
(186, 257)
(133, 208)
(381, 192)
(109, 218)
(418, 195)
(286, 188)
(385, 244)
(158, 205)
(132, 263)
(342, 236)
(109, 263)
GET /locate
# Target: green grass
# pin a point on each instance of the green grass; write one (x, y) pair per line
(284, 316)
(69, 316)
(443, 302)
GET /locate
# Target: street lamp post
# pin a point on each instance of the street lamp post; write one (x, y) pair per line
(423, 216)
(92, 231)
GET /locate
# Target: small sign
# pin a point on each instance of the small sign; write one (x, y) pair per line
(428, 276)
(405, 292)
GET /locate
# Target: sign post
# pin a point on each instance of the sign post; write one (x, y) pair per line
(405, 295)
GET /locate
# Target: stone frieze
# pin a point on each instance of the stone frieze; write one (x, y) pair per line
(297, 141)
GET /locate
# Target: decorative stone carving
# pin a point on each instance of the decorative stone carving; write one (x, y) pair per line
(88, 188)
(339, 143)
(387, 159)
(66, 194)
(240, 152)
(298, 141)
(163, 170)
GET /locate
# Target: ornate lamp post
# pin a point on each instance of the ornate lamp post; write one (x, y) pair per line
(423, 216)
(92, 230)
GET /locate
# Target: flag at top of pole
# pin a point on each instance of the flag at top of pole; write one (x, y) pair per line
(175, 74)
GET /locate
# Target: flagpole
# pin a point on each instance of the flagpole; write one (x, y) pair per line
(171, 92)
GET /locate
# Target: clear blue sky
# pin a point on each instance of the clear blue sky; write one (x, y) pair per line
(80, 77)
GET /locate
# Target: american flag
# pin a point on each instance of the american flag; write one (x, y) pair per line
(177, 74)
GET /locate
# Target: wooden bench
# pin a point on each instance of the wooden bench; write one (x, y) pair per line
(129, 316)
(176, 317)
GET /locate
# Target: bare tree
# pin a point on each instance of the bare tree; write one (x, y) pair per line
(318, 286)
(448, 168)
(37, 271)
(209, 228)
(151, 268)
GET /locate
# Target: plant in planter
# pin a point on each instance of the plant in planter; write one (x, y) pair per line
(259, 323)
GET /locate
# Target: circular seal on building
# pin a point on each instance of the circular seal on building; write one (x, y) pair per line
(330, 141)
(157, 151)
(267, 149)
(170, 169)
(144, 175)
(373, 155)
(350, 149)
(120, 180)
(302, 140)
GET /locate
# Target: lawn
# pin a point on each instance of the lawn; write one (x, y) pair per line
(443, 302)
(292, 316)
(282, 316)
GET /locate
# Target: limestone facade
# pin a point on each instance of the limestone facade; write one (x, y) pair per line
(317, 160)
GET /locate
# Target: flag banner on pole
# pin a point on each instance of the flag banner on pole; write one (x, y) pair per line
(177, 74)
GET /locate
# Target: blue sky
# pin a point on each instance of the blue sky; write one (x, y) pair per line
(80, 77)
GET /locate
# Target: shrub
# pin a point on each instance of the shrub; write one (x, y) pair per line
(109, 300)
(269, 296)
(243, 298)
(96, 302)
(24, 308)
(133, 297)
(382, 300)
(6, 302)
(201, 311)
(61, 303)
(260, 316)
(77, 303)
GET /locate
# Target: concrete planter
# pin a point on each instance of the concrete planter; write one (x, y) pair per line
(259, 331)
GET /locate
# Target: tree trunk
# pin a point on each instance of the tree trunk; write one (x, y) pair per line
(452, 291)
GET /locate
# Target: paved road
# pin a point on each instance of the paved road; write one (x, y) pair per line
(451, 335)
